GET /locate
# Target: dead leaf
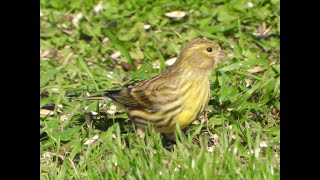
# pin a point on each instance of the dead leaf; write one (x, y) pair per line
(141, 133)
(272, 63)
(67, 60)
(262, 30)
(164, 161)
(210, 149)
(156, 65)
(248, 82)
(44, 53)
(68, 32)
(94, 113)
(256, 69)
(55, 157)
(177, 168)
(112, 110)
(76, 19)
(64, 117)
(46, 112)
(65, 19)
(98, 8)
(171, 61)
(196, 122)
(263, 144)
(92, 140)
(105, 40)
(147, 26)
(136, 64)
(176, 14)
(116, 55)
(125, 66)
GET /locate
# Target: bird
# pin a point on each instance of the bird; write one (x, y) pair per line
(178, 95)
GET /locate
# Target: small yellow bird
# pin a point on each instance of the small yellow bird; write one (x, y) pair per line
(178, 95)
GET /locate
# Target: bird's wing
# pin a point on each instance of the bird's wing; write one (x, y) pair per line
(131, 96)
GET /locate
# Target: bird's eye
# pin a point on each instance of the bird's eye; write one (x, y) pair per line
(209, 49)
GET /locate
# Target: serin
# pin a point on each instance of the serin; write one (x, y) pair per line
(178, 95)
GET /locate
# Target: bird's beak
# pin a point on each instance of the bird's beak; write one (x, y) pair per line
(221, 55)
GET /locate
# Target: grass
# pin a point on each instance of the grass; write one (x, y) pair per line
(240, 139)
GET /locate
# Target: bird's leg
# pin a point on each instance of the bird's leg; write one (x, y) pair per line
(141, 132)
(170, 136)
(206, 115)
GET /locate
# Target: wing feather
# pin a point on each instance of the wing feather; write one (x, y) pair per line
(147, 94)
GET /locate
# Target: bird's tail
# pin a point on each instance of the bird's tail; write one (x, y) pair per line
(111, 93)
(98, 97)
(108, 95)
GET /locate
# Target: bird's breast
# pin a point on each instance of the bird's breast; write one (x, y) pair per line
(194, 104)
(191, 103)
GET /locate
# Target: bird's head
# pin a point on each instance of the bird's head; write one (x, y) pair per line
(201, 54)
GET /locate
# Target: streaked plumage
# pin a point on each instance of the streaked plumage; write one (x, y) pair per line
(178, 95)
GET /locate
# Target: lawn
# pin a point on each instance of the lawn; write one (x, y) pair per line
(89, 46)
